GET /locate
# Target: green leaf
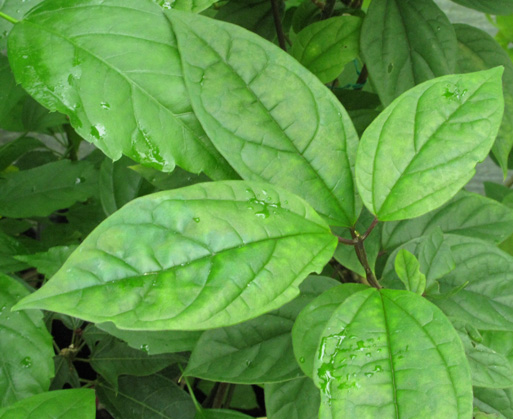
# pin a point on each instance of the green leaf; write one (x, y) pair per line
(388, 354)
(192, 259)
(9, 248)
(62, 404)
(494, 400)
(178, 178)
(489, 368)
(13, 150)
(486, 301)
(269, 117)
(404, 43)
(118, 184)
(496, 7)
(423, 148)
(254, 15)
(132, 103)
(256, 351)
(408, 269)
(39, 192)
(26, 352)
(112, 358)
(435, 256)
(325, 47)
(65, 373)
(155, 396)
(467, 214)
(308, 327)
(48, 263)
(479, 51)
(297, 398)
(154, 342)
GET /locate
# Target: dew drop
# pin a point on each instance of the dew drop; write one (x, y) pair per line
(26, 362)
(378, 368)
(302, 360)
(105, 105)
(352, 356)
(369, 374)
(196, 219)
(145, 347)
(249, 363)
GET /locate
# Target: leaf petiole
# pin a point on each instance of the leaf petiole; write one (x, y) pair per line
(8, 18)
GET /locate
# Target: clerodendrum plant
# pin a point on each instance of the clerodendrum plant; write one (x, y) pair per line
(348, 277)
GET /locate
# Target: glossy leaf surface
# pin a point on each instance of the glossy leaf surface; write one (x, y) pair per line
(467, 214)
(408, 269)
(40, 191)
(391, 353)
(310, 323)
(479, 51)
(256, 351)
(62, 404)
(400, 171)
(205, 256)
(15, 9)
(404, 43)
(325, 47)
(26, 352)
(294, 399)
(270, 118)
(153, 397)
(155, 342)
(66, 55)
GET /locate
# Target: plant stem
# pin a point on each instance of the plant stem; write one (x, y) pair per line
(362, 78)
(369, 230)
(362, 257)
(8, 18)
(277, 24)
(220, 395)
(327, 12)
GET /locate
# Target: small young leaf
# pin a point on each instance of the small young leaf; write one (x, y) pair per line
(297, 398)
(48, 263)
(404, 43)
(269, 117)
(423, 148)
(26, 347)
(201, 257)
(61, 404)
(388, 354)
(39, 192)
(408, 269)
(467, 214)
(325, 47)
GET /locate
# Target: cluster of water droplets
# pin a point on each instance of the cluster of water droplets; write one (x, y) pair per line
(453, 92)
(264, 207)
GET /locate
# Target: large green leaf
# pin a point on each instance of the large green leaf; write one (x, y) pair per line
(479, 51)
(390, 354)
(271, 118)
(294, 399)
(496, 7)
(325, 47)
(205, 256)
(153, 397)
(26, 353)
(467, 214)
(423, 148)
(67, 56)
(309, 325)
(404, 43)
(62, 404)
(155, 342)
(256, 351)
(39, 192)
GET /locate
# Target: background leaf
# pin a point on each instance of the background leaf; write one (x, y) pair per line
(26, 366)
(400, 171)
(391, 353)
(191, 259)
(132, 103)
(496, 7)
(268, 116)
(325, 47)
(40, 191)
(294, 399)
(404, 43)
(63, 404)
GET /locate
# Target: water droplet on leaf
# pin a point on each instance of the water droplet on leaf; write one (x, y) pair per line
(26, 362)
